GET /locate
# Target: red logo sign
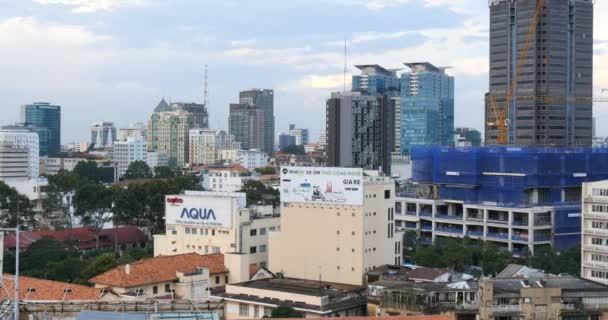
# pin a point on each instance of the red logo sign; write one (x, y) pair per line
(175, 201)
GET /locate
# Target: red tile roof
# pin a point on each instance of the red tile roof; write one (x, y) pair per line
(83, 237)
(423, 317)
(159, 269)
(32, 289)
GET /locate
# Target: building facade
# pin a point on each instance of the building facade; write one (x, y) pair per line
(467, 137)
(14, 162)
(240, 230)
(103, 135)
(338, 242)
(594, 223)
(264, 99)
(300, 135)
(198, 113)
(551, 101)
(135, 130)
(285, 140)
(427, 107)
(23, 137)
(247, 124)
(129, 151)
(205, 145)
(225, 178)
(52, 166)
(339, 124)
(46, 120)
(168, 135)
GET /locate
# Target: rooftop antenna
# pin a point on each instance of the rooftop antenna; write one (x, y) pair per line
(205, 88)
(344, 88)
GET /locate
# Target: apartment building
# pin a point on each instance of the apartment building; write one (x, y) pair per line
(225, 178)
(335, 224)
(594, 222)
(215, 222)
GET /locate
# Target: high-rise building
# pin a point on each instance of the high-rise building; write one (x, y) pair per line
(128, 151)
(264, 99)
(198, 113)
(205, 145)
(45, 119)
(247, 124)
(594, 211)
(103, 135)
(467, 137)
(286, 140)
(427, 107)
(14, 162)
(360, 130)
(135, 130)
(556, 71)
(375, 79)
(300, 135)
(168, 132)
(24, 137)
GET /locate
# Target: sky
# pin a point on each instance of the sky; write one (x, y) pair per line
(113, 60)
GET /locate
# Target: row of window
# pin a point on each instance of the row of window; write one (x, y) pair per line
(599, 274)
(254, 232)
(244, 311)
(200, 248)
(599, 192)
(254, 249)
(599, 257)
(599, 225)
(203, 232)
(599, 241)
(599, 208)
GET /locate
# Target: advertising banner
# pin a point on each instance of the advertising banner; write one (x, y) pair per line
(322, 185)
(198, 210)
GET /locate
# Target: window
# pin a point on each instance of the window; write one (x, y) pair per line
(600, 192)
(252, 249)
(253, 232)
(217, 279)
(267, 311)
(213, 232)
(155, 290)
(597, 241)
(187, 230)
(167, 288)
(256, 311)
(387, 194)
(243, 310)
(226, 279)
(194, 230)
(216, 249)
(599, 208)
(263, 248)
(599, 274)
(272, 228)
(262, 231)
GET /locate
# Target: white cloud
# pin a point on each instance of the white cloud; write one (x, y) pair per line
(465, 7)
(374, 4)
(88, 6)
(243, 42)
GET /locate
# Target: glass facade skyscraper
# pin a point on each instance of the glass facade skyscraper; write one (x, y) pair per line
(45, 119)
(375, 79)
(427, 107)
(264, 99)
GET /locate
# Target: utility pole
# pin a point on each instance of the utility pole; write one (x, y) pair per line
(205, 92)
(17, 249)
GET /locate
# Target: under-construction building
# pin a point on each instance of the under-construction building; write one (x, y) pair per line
(517, 198)
(551, 100)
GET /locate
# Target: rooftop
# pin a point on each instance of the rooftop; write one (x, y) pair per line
(33, 289)
(159, 269)
(301, 286)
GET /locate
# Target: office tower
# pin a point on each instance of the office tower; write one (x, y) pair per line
(427, 106)
(545, 109)
(286, 140)
(14, 162)
(247, 124)
(263, 98)
(45, 119)
(467, 137)
(205, 145)
(397, 145)
(168, 134)
(135, 130)
(25, 138)
(322, 141)
(197, 111)
(128, 151)
(103, 135)
(373, 132)
(300, 135)
(375, 79)
(339, 124)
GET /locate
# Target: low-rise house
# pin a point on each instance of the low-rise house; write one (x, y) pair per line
(229, 178)
(313, 299)
(184, 276)
(83, 238)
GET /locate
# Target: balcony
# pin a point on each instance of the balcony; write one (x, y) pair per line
(448, 217)
(506, 308)
(542, 237)
(426, 227)
(596, 232)
(411, 213)
(542, 223)
(475, 233)
(497, 221)
(598, 199)
(520, 238)
(591, 247)
(449, 230)
(426, 214)
(520, 223)
(501, 236)
(599, 216)
(596, 265)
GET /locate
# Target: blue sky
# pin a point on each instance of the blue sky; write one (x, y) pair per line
(113, 60)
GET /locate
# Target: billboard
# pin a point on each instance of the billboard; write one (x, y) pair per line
(208, 211)
(322, 185)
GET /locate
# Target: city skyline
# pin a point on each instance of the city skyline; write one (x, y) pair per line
(116, 64)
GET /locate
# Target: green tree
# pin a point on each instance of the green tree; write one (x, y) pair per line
(284, 311)
(266, 170)
(93, 204)
(34, 261)
(293, 149)
(98, 265)
(137, 170)
(16, 208)
(427, 256)
(164, 172)
(454, 254)
(88, 172)
(134, 254)
(493, 260)
(59, 194)
(258, 193)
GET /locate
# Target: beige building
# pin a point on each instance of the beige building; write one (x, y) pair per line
(168, 134)
(313, 299)
(229, 227)
(594, 222)
(206, 144)
(337, 242)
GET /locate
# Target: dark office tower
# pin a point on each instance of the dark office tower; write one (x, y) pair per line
(360, 131)
(45, 119)
(264, 99)
(551, 101)
(198, 112)
(246, 124)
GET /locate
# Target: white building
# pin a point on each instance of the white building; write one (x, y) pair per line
(225, 178)
(103, 135)
(594, 222)
(75, 147)
(129, 151)
(14, 162)
(215, 222)
(336, 223)
(52, 166)
(252, 159)
(300, 135)
(135, 130)
(206, 144)
(23, 137)
(155, 159)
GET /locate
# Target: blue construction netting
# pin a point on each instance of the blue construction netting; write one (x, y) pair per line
(504, 175)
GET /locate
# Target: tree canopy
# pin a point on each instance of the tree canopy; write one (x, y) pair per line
(258, 193)
(17, 208)
(284, 312)
(293, 149)
(137, 170)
